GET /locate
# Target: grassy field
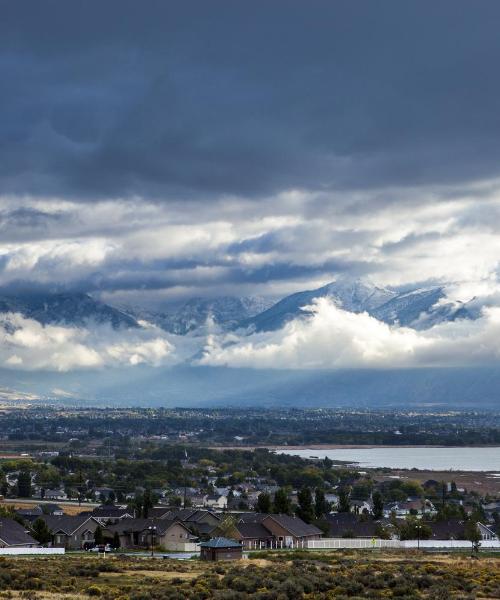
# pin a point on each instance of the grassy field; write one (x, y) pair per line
(269, 576)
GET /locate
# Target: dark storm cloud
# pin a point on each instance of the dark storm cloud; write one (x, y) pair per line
(194, 99)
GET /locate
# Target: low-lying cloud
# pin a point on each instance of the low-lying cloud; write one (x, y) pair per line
(328, 338)
(28, 345)
(334, 338)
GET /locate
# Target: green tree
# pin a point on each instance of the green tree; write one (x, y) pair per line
(41, 532)
(472, 533)
(24, 484)
(321, 506)
(305, 509)
(413, 529)
(378, 505)
(264, 504)
(147, 503)
(98, 536)
(282, 504)
(116, 540)
(344, 505)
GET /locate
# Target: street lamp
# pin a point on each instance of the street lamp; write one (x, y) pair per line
(418, 528)
(152, 534)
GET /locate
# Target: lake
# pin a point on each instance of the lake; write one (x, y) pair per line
(421, 457)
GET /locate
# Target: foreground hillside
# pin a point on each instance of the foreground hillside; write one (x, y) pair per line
(278, 576)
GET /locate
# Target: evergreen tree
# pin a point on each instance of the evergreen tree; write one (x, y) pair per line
(98, 536)
(41, 532)
(147, 503)
(305, 509)
(344, 505)
(24, 484)
(282, 503)
(264, 504)
(472, 533)
(378, 505)
(321, 506)
(116, 540)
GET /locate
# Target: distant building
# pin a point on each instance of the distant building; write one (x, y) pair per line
(143, 533)
(290, 531)
(55, 495)
(111, 514)
(71, 532)
(221, 549)
(216, 501)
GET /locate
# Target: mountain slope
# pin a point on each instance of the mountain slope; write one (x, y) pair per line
(420, 308)
(73, 309)
(194, 315)
(354, 296)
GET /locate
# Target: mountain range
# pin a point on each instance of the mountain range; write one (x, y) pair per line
(418, 308)
(187, 385)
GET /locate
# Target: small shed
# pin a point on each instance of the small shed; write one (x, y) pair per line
(221, 548)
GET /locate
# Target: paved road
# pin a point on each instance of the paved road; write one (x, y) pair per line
(59, 502)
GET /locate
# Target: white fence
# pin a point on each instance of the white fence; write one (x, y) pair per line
(31, 551)
(339, 543)
(484, 544)
(182, 547)
(332, 543)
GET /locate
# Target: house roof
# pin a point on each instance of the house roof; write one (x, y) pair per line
(14, 534)
(341, 523)
(29, 512)
(192, 515)
(220, 542)
(138, 525)
(159, 512)
(253, 531)
(297, 527)
(67, 524)
(442, 530)
(251, 517)
(110, 512)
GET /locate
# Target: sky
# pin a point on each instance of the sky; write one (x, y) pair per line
(152, 152)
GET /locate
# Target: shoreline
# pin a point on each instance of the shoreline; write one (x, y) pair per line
(345, 446)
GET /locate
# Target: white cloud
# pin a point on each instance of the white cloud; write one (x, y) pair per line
(26, 344)
(334, 338)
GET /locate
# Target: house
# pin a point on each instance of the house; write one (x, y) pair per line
(487, 533)
(191, 515)
(71, 532)
(253, 536)
(55, 495)
(14, 535)
(349, 525)
(49, 508)
(216, 501)
(144, 533)
(332, 498)
(103, 493)
(411, 506)
(198, 500)
(221, 549)
(106, 515)
(451, 529)
(29, 514)
(159, 512)
(201, 523)
(290, 531)
(360, 506)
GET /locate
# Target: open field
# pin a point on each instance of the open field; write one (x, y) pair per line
(481, 482)
(70, 508)
(269, 576)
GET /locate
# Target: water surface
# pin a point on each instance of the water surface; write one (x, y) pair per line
(421, 457)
